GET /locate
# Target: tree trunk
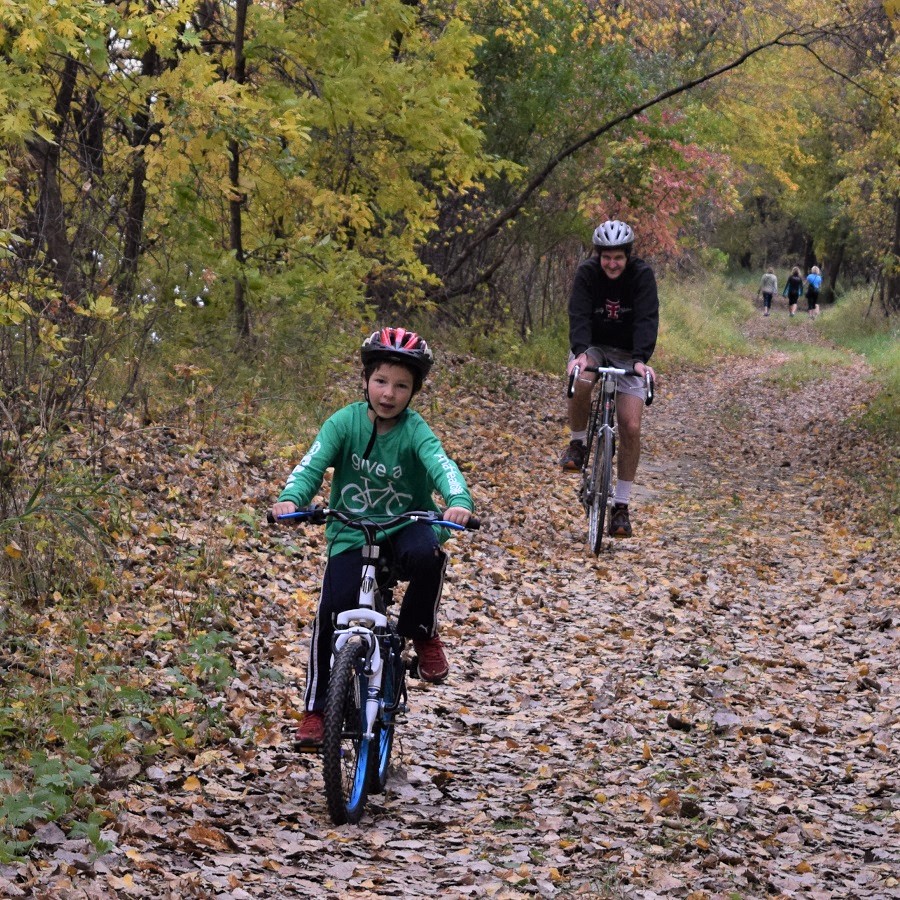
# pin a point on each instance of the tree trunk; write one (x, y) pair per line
(892, 281)
(241, 308)
(137, 200)
(829, 294)
(809, 256)
(50, 214)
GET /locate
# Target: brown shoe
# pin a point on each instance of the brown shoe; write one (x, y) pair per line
(311, 731)
(572, 459)
(619, 523)
(433, 664)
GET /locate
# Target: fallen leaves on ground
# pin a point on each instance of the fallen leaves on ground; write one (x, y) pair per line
(707, 710)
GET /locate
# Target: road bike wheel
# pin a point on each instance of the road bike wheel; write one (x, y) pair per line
(380, 757)
(598, 488)
(345, 751)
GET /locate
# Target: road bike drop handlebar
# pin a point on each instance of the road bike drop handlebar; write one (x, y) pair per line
(649, 383)
(318, 514)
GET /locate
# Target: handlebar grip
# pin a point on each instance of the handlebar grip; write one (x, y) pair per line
(314, 514)
(473, 524)
(570, 390)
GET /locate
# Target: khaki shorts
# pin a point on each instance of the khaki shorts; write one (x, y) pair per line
(618, 359)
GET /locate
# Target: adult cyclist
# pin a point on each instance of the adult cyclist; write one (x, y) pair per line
(613, 316)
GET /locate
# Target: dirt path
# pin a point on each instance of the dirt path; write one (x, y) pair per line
(708, 710)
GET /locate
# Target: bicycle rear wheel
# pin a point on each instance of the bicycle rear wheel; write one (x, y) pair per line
(345, 751)
(598, 487)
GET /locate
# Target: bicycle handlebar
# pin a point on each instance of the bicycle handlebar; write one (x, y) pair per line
(649, 382)
(318, 514)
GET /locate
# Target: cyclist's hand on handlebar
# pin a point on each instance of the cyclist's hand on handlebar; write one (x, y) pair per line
(457, 514)
(284, 508)
(582, 361)
(643, 369)
(649, 376)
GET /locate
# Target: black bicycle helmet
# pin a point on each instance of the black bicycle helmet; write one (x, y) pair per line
(397, 345)
(614, 235)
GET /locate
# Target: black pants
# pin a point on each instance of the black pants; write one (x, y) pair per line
(417, 558)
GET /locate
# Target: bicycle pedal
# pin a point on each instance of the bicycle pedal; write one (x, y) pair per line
(312, 749)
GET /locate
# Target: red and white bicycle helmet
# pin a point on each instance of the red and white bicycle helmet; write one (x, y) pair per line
(614, 235)
(399, 346)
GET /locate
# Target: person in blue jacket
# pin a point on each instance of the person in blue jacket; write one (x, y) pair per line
(813, 286)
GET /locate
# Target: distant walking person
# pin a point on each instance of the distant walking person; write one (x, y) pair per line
(813, 285)
(768, 287)
(793, 288)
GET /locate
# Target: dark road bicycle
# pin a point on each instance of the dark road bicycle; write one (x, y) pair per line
(367, 692)
(596, 485)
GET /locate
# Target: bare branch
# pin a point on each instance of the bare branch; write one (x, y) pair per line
(511, 211)
(839, 74)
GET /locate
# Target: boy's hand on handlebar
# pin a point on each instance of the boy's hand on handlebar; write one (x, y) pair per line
(284, 508)
(458, 515)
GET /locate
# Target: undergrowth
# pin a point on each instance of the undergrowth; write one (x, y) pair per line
(806, 363)
(700, 319)
(855, 323)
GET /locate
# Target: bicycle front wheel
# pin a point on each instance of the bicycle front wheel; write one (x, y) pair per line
(393, 688)
(345, 751)
(598, 487)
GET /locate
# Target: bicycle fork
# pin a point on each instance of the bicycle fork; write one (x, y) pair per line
(362, 622)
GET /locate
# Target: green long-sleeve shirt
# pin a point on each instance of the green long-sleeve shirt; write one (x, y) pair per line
(405, 467)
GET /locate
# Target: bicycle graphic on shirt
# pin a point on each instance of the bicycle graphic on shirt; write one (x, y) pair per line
(361, 498)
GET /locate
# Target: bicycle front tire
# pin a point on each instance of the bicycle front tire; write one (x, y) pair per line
(345, 750)
(392, 690)
(598, 487)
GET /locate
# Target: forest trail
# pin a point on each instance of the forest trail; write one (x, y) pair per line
(707, 710)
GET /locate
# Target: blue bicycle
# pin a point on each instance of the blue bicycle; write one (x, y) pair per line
(367, 693)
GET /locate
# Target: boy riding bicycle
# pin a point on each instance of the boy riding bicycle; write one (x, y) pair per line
(386, 460)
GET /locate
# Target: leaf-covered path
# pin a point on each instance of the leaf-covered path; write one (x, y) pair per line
(707, 710)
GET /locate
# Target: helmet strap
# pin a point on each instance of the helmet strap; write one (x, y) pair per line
(372, 437)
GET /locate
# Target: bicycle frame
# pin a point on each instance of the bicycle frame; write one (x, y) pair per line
(603, 405)
(362, 622)
(597, 468)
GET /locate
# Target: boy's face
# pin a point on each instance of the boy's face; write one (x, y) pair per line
(613, 262)
(390, 390)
